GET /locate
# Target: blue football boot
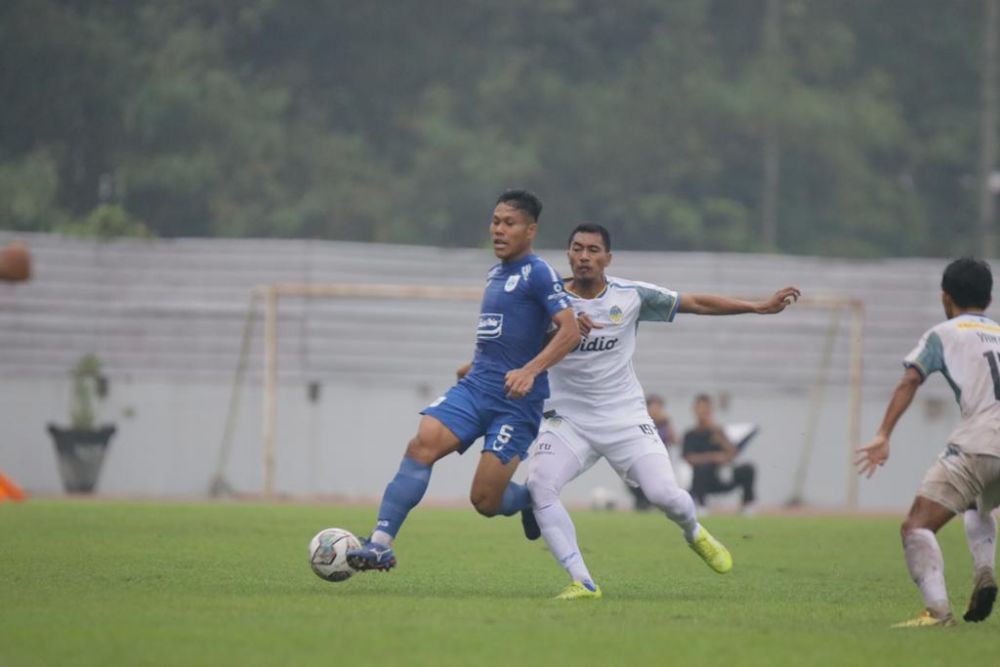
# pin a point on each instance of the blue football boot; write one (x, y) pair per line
(371, 556)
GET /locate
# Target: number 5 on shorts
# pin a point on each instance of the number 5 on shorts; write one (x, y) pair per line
(503, 436)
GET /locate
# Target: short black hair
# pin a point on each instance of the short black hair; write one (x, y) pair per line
(969, 282)
(703, 398)
(522, 200)
(591, 228)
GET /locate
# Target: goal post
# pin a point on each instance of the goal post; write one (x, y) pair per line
(855, 310)
(271, 295)
(856, 307)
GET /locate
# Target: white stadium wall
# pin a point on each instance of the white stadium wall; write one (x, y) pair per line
(166, 317)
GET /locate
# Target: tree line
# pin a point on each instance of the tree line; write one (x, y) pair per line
(849, 128)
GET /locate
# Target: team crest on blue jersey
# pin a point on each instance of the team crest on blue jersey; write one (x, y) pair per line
(615, 314)
(490, 325)
(511, 283)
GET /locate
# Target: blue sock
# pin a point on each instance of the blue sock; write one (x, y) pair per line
(515, 498)
(402, 494)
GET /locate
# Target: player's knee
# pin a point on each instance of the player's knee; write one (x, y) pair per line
(657, 496)
(485, 503)
(909, 525)
(418, 450)
(674, 501)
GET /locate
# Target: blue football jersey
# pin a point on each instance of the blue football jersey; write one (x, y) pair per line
(520, 300)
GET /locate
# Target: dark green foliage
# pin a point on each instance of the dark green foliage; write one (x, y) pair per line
(402, 121)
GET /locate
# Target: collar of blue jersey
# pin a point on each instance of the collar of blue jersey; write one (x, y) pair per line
(517, 262)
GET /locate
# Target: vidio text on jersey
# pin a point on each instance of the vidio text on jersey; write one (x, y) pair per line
(597, 344)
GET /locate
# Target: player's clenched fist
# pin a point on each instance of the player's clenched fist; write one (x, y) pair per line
(781, 299)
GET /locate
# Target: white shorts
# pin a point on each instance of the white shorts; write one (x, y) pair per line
(621, 444)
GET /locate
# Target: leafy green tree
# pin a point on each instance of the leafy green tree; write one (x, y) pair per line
(399, 122)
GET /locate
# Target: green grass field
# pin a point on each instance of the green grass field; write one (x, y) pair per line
(113, 583)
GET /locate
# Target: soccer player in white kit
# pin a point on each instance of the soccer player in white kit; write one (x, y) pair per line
(965, 479)
(597, 407)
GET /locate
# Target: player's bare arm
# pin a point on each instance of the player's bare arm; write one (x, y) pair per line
(567, 336)
(876, 452)
(714, 304)
(583, 324)
(463, 370)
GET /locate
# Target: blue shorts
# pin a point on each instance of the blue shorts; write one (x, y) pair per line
(509, 425)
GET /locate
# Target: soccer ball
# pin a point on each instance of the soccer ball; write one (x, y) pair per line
(602, 500)
(328, 554)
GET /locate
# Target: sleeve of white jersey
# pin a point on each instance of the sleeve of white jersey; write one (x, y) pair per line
(928, 356)
(658, 304)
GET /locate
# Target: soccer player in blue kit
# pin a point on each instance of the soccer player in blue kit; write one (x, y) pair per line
(499, 395)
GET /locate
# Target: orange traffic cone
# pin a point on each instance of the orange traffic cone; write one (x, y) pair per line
(9, 490)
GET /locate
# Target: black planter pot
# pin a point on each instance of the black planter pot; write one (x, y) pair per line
(80, 454)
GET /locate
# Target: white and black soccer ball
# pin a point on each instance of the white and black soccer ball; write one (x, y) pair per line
(328, 554)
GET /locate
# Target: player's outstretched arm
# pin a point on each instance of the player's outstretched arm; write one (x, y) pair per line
(567, 336)
(714, 304)
(876, 452)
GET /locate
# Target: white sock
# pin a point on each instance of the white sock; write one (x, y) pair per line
(559, 534)
(548, 472)
(981, 534)
(926, 565)
(655, 477)
(381, 537)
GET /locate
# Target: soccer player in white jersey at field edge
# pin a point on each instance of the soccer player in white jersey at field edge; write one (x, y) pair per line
(499, 395)
(598, 408)
(965, 479)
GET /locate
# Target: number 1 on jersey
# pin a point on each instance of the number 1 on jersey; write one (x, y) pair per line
(991, 358)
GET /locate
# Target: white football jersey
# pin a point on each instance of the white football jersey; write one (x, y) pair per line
(595, 383)
(966, 351)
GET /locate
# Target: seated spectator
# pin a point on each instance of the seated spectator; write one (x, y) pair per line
(707, 449)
